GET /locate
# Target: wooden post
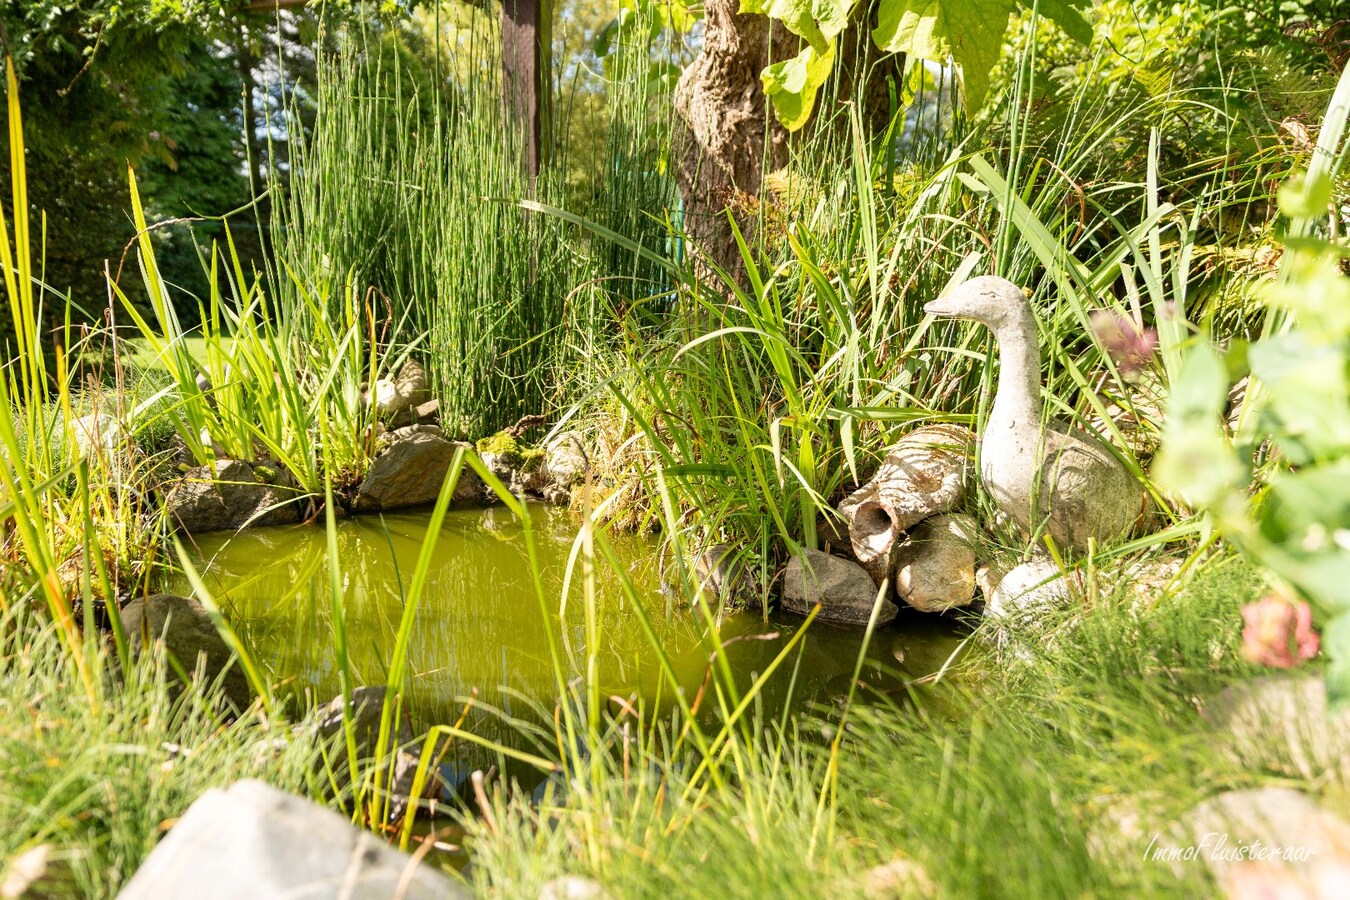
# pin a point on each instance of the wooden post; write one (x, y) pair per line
(527, 80)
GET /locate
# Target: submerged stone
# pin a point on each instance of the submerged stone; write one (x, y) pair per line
(843, 589)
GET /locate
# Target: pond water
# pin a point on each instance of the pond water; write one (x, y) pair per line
(480, 626)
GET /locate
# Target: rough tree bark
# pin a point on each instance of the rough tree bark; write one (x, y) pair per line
(730, 139)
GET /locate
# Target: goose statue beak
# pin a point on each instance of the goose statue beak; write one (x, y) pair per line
(939, 307)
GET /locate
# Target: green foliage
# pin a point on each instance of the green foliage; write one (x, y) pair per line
(1295, 419)
(968, 32)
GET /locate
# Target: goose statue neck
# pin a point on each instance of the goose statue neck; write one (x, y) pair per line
(1045, 477)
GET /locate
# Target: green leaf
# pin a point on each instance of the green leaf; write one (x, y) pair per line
(818, 21)
(1302, 197)
(792, 85)
(1071, 15)
(969, 31)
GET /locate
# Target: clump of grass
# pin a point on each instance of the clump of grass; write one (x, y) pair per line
(98, 781)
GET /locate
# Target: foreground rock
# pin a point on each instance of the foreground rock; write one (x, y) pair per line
(253, 841)
(187, 632)
(1030, 590)
(409, 471)
(1281, 723)
(1270, 842)
(844, 590)
(935, 566)
(922, 476)
(565, 465)
(230, 494)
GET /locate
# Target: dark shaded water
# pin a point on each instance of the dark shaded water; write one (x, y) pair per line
(480, 624)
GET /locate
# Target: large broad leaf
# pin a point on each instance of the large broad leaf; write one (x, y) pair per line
(815, 20)
(792, 84)
(1071, 15)
(969, 31)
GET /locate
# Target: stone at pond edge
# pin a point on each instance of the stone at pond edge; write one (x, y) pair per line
(410, 469)
(188, 633)
(935, 566)
(844, 590)
(253, 841)
(565, 460)
(229, 494)
(722, 573)
(573, 887)
(403, 753)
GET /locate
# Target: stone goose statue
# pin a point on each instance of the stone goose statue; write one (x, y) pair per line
(1054, 479)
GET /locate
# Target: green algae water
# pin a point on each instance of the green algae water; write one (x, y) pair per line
(480, 629)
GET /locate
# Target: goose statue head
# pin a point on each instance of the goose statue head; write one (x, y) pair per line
(990, 300)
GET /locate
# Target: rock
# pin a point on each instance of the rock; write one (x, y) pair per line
(429, 412)
(1031, 588)
(573, 887)
(899, 878)
(402, 751)
(832, 535)
(1267, 842)
(386, 397)
(922, 476)
(411, 382)
(186, 631)
(253, 841)
(229, 494)
(1281, 723)
(722, 573)
(409, 471)
(565, 460)
(844, 590)
(935, 566)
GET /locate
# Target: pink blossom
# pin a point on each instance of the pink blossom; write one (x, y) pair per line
(1128, 344)
(1278, 633)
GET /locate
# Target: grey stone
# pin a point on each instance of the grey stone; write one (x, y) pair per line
(412, 384)
(410, 468)
(935, 566)
(186, 631)
(1294, 847)
(565, 460)
(229, 494)
(722, 573)
(402, 753)
(1282, 723)
(1030, 589)
(844, 590)
(254, 842)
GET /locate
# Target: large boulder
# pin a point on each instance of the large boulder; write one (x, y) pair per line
(565, 465)
(253, 841)
(923, 475)
(410, 468)
(230, 494)
(843, 589)
(184, 628)
(935, 566)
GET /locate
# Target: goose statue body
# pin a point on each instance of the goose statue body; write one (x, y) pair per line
(1049, 479)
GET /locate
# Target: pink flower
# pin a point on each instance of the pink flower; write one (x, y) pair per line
(1128, 344)
(1278, 633)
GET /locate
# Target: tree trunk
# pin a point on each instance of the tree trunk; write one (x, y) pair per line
(730, 138)
(527, 85)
